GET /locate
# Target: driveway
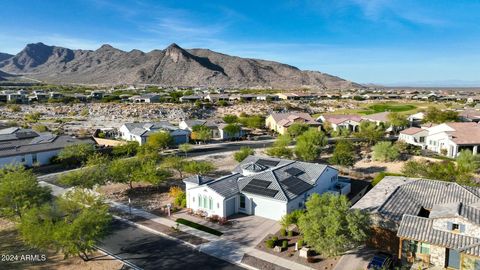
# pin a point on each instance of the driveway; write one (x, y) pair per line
(244, 233)
(151, 251)
(355, 259)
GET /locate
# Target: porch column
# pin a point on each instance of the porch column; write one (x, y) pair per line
(400, 249)
(475, 149)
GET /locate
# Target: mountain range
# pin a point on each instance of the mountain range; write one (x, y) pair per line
(173, 66)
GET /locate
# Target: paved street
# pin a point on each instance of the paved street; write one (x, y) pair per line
(151, 251)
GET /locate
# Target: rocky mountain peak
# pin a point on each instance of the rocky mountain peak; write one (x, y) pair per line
(175, 52)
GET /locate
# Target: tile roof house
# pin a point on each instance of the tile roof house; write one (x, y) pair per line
(469, 116)
(447, 138)
(435, 221)
(211, 124)
(279, 122)
(27, 147)
(266, 187)
(139, 132)
(348, 121)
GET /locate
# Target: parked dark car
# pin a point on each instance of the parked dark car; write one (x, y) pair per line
(381, 260)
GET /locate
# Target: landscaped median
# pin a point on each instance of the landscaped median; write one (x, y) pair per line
(198, 226)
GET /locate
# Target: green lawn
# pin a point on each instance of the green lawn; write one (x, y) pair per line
(198, 226)
(377, 108)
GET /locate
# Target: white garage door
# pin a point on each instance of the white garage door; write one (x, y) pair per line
(268, 208)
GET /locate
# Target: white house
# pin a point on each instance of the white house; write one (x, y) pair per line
(348, 121)
(29, 148)
(266, 187)
(416, 119)
(447, 138)
(139, 132)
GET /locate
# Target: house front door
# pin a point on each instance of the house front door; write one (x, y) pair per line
(453, 258)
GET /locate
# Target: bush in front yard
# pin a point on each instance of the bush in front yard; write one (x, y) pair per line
(275, 238)
(290, 233)
(300, 243)
(283, 232)
(270, 243)
(284, 244)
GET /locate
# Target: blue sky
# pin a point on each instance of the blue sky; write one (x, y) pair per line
(367, 41)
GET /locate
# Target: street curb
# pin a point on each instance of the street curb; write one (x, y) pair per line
(129, 264)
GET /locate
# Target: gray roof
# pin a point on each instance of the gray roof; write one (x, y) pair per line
(411, 197)
(421, 229)
(43, 142)
(278, 176)
(198, 179)
(16, 133)
(199, 122)
(226, 186)
(147, 128)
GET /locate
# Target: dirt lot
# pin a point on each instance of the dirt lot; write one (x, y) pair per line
(10, 244)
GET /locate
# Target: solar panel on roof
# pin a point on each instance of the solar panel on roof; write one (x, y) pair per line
(260, 183)
(259, 190)
(268, 162)
(294, 171)
(296, 185)
(299, 189)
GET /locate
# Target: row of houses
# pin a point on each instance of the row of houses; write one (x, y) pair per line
(23, 96)
(180, 133)
(280, 122)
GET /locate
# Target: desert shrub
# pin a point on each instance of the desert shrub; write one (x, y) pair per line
(285, 244)
(290, 233)
(174, 191)
(275, 238)
(270, 243)
(283, 232)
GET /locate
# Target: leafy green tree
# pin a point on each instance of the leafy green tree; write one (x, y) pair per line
(280, 147)
(199, 167)
(232, 130)
(330, 227)
(397, 120)
(174, 163)
(127, 149)
(243, 153)
(159, 140)
(77, 153)
(72, 224)
(185, 148)
(341, 132)
(19, 190)
(370, 132)
(297, 129)
(309, 144)
(344, 154)
(444, 170)
(435, 115)
(252, 121)
(201, 133)
(385, 151)
(230, 119)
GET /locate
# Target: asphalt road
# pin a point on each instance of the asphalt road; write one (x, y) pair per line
(151, 251)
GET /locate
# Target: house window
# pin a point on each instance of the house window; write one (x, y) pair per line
(199, 200)
(205, 202)
(242, 201)
(424, 248)
(23, 159)
(218, 205)
(210, 203)
(456, 227)
(34, 158)
(422, 139)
